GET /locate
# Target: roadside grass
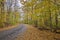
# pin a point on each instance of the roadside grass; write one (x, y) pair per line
(8, 27)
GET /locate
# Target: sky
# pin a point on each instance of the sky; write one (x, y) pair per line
(11, 3)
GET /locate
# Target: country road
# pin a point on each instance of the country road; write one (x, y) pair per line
(28, 32)
(12, 33)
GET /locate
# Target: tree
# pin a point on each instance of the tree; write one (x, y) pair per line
(8, 16)
(43, 13)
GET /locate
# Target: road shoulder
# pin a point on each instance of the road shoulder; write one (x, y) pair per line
(9, 27)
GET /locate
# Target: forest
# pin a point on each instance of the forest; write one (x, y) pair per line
(39, 13)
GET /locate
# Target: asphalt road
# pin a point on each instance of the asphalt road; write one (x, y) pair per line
(12, 33)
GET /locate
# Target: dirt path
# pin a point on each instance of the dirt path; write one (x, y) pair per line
(34, 34)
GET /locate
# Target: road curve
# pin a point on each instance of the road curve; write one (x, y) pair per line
(12, 33)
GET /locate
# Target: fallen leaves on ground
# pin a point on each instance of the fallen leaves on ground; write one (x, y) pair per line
(33, 33)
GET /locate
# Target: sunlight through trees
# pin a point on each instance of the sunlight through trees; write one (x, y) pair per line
(40, 13)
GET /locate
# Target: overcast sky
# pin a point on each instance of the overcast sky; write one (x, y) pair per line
(18, 5)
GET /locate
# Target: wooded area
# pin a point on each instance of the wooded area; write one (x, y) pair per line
(7, 15)
(40, 13)
(43, 14)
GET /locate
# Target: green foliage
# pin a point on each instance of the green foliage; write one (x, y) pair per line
(42, 13)
(8, 17)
